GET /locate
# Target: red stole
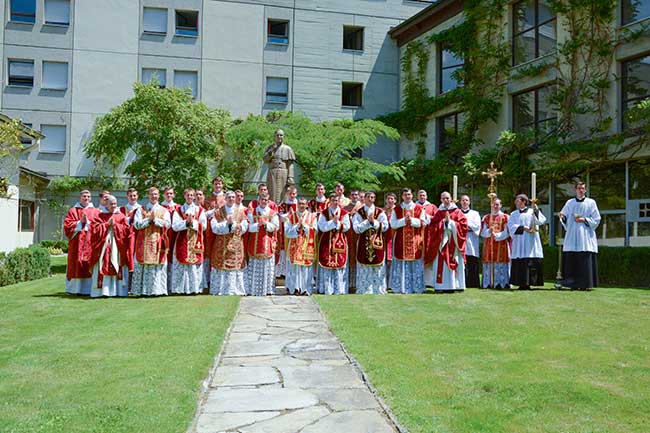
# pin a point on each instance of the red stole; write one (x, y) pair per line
(228, 251)
(317, 206)
(99, 232)
(189, 242)
(332, 245)
(430, 210)
(302, 250)
(127, 260)
(388, 236)
(152, 243)
(370, 244)
(79, 246)
(446, 255)
(261, 245)
(496, 251)
(409, 240)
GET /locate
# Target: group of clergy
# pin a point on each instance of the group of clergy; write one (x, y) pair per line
(331, 244)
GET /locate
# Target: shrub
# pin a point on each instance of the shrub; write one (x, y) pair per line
(60, 245)
(24, 264)
(617, 266)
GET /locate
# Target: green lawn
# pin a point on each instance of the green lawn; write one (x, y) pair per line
(488, 361)
(72, 364)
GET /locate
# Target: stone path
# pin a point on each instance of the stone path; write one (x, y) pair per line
(282, 371)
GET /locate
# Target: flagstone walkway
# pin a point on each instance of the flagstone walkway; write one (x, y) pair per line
(282, 370)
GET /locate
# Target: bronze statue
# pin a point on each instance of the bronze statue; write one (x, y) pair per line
(280, 158)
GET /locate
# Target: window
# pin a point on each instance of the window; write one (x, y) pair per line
(449, 63)
(351, 94)
(57, 12)
(21, 73)
(187, 23)
(278, 32)
(187, 79)
(534, 109)
(636, 83)
(277, 90)
(634, 10)
(24, 140)
(27, 209)
(154, 20)
(448, 128)
(55, 75)
(55, 139)
(160, 75)
(23, 11)
(534, 30)
(353, 38)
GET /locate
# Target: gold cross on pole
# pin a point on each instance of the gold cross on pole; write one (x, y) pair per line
(492, 174)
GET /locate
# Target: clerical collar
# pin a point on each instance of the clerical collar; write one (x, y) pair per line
(290, 201)
(166, 203)
(465, 211)
(320, 199)
(89, 205)
(370, 208)
(524, 209)
(407, 205)
(452, 206)
(580, 200)
(217, 193)
(151, 205)
(426, 203)
(130, 206)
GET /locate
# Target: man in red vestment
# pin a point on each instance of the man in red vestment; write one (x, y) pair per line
(76, 226)
(261, 191)
(430, 210)
(352, 208)
(171, 207)
(263, 222)
(110, 241)
(129, 211)
(333, 249)
(389, 205)
(447, 249)
(288, 207)
(496, 248)
(320, 203)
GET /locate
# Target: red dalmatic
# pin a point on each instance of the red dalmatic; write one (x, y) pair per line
(445, 252)
(409, 241)
(430, 210)
(79, 243)
(496, 251)
(318, 206)
(332, 245)
(261, 244)
(99, 231)
(189, 243)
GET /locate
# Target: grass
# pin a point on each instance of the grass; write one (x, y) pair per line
(489, 361)
(72, 364)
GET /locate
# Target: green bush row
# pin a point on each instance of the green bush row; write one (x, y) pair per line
(24, 264)
(617, 266)
(55, 245)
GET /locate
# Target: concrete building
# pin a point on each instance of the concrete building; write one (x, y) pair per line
(623, 194)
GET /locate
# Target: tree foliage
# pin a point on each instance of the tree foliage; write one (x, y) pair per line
(159, 137)
(326, 152)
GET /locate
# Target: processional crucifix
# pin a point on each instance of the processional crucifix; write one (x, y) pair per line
(492, 174)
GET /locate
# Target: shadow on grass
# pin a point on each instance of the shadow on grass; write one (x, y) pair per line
(64, 295)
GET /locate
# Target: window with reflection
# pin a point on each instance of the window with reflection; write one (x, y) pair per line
(23, 11)
(639, 203)
(534, 30)
(535, 110)
(634, 10)
(449, 64)
(448, 128)
(635, 84)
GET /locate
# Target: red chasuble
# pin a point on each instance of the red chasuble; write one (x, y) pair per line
(128, 260)
(317, 206)
(332, 245)
(189, 243)
(171, 234)
(493, 250)
(229, 251)
(261, 245)
(152, 244)
(371, 248)
(99, 232)
(302, 250)
(388, 236)
(212, 202)
(409, 240)
(447, 253)
(430, 210)
(79, 246)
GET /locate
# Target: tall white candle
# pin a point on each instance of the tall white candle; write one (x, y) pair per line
(454, 195)
(533, 186)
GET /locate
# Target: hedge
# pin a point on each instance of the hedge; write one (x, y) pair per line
(24, 264)
(60, 245)
(617, 266)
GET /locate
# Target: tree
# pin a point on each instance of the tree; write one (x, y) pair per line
(10, 147)
(163, 137)
(326, 152)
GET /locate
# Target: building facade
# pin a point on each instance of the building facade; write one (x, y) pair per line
(534, 33)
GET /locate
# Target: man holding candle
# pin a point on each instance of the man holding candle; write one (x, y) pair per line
(527, 254)
(580, 218)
